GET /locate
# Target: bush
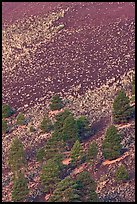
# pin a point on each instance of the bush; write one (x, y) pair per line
(121, 108)
(20, 188)
(6, 111)
(4, 126)
(46, 125)
(56, 103)
(121, 173)
(20, 119)
(32, 129)
(111, 147)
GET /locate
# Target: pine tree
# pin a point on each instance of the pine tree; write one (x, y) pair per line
(111, 146)
(83, 127)
(87, 187)
(92, 151)
(121, 173)
(76, 152)
(50, 175)
(46, 125)
(56, 103)
(121, 108)
(16, 157)
(20, 188)
(70, 131)
(66, 191)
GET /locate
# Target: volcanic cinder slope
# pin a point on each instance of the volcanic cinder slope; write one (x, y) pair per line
(62, 47)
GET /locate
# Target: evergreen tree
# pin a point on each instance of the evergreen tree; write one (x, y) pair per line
(56, 103)
(21, 119)
(83, 127)
(6, 111)
(133, 85)
(76, 152)
(70, 131)
(50, 175)
(87, 187)
(111, 146)
(121, 108)
(20, 188)
(121, 173)
(4, 126)
(16, 158)
(66, 191)
(92, 151)
(40, 154)
(46, 125)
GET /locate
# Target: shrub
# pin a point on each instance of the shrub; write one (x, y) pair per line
(32, 129)
(6, 111)
(121, 108)
(20, 119)
(46, 125)
(56, 103)
(111, 146)
(4, 126)
(121, 173)
(20, 188)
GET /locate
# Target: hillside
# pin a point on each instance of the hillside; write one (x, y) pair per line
(85, 52)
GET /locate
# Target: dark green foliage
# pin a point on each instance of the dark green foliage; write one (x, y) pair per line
(87, 187)
(92, 151)
(66, 191)
(56, 103)
(70, 131)
(121, 108)
(40, 154)
(20, 188)
(6, 111)
(16, 156)
(46, 125)
(54, 146)
(4, 126)
(50, 175)
(83, 127)
(21, 119)
(76, 152)
(111, 146)
(121, 173)
(60, 118)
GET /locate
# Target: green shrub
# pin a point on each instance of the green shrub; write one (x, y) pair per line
(40, 154)
(6, 111)
(56, 103)
(21, 119)
(121, 173)
(111, 147)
